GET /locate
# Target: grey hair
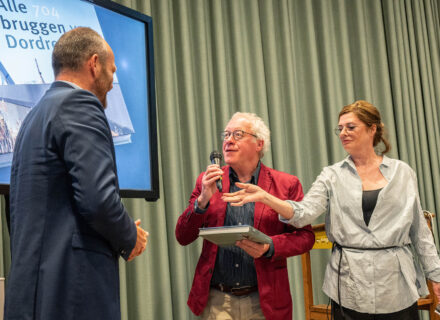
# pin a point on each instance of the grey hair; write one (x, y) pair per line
(258, 127)
(75, 47)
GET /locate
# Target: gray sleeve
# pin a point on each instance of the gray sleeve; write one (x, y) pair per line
(423, 241)
(313, 205)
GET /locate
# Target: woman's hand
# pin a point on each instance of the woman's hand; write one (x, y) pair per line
(253, 193)
(249, 193)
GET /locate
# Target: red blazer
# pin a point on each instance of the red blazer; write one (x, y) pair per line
(272, 277)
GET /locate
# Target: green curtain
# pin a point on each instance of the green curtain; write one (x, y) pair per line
(295, 63)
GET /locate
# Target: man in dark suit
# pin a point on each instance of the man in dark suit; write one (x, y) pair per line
(68, 225)
(247, 281)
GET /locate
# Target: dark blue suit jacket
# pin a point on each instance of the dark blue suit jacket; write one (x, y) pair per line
(68, 225)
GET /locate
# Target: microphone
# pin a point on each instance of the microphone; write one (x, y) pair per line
(437, 310)
(216, 157)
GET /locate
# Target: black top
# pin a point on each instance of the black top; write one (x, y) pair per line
(369, 200)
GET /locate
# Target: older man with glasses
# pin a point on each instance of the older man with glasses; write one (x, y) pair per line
(249, 280)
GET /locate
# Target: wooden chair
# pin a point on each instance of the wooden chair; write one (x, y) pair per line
(430, 301)
(322, 311)
(318, 311)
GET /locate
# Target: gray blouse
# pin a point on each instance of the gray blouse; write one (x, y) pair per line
(372, 281)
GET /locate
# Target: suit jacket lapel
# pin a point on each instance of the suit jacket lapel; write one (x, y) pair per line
(264, 182)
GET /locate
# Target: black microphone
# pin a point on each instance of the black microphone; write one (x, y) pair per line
(216, 157)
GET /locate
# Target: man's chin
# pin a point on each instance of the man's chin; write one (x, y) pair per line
(104, 102)
(229, 160)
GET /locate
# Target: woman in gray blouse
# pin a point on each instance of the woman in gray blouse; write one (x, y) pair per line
(374, 218)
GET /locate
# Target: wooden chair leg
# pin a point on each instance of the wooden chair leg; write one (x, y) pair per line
(432, 314)
(307, 283)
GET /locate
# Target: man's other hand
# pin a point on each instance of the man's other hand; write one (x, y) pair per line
(141, 241)
(254, 249)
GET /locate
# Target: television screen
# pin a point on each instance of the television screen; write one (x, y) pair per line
(29, 30)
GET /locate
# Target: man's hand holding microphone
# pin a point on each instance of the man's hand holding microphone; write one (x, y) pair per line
(211, 181)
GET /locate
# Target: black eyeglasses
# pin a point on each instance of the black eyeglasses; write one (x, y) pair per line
(349, 128)
(237, 134)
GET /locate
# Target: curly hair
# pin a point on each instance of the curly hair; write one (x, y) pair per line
(258, 127)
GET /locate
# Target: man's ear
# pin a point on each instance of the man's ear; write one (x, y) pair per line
(93, 65)
(260, 145)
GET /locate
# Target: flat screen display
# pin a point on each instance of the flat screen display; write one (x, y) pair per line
(29, 30)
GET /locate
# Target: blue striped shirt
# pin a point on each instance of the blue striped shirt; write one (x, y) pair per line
(233, 266)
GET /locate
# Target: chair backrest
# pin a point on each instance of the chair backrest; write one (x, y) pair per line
(430, 301)
(429, 216)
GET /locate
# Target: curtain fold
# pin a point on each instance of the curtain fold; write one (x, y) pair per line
(295, 63)
(413, 49)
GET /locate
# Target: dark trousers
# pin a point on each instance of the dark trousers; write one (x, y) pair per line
(410, 313)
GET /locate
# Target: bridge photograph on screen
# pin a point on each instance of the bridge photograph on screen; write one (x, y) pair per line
(28, 33)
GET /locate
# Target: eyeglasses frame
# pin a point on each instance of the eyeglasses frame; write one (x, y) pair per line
(233, 133)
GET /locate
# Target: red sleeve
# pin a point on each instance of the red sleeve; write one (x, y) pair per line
(189, 222)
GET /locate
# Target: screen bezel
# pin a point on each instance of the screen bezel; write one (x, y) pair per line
(153, 193)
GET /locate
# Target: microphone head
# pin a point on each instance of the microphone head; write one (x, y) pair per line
(215, 155)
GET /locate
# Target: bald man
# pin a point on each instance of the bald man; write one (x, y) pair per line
(68, 225)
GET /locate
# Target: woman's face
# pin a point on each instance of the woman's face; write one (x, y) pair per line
(355, 135)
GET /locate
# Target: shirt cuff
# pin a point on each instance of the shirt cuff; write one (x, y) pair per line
(296, 218)
(434, 275)
(200, 210)
(269, 253)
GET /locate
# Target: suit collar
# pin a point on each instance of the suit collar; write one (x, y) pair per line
(254, 178)
(262, 175)
(264, 182)
(264, 178)
(64, 84)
